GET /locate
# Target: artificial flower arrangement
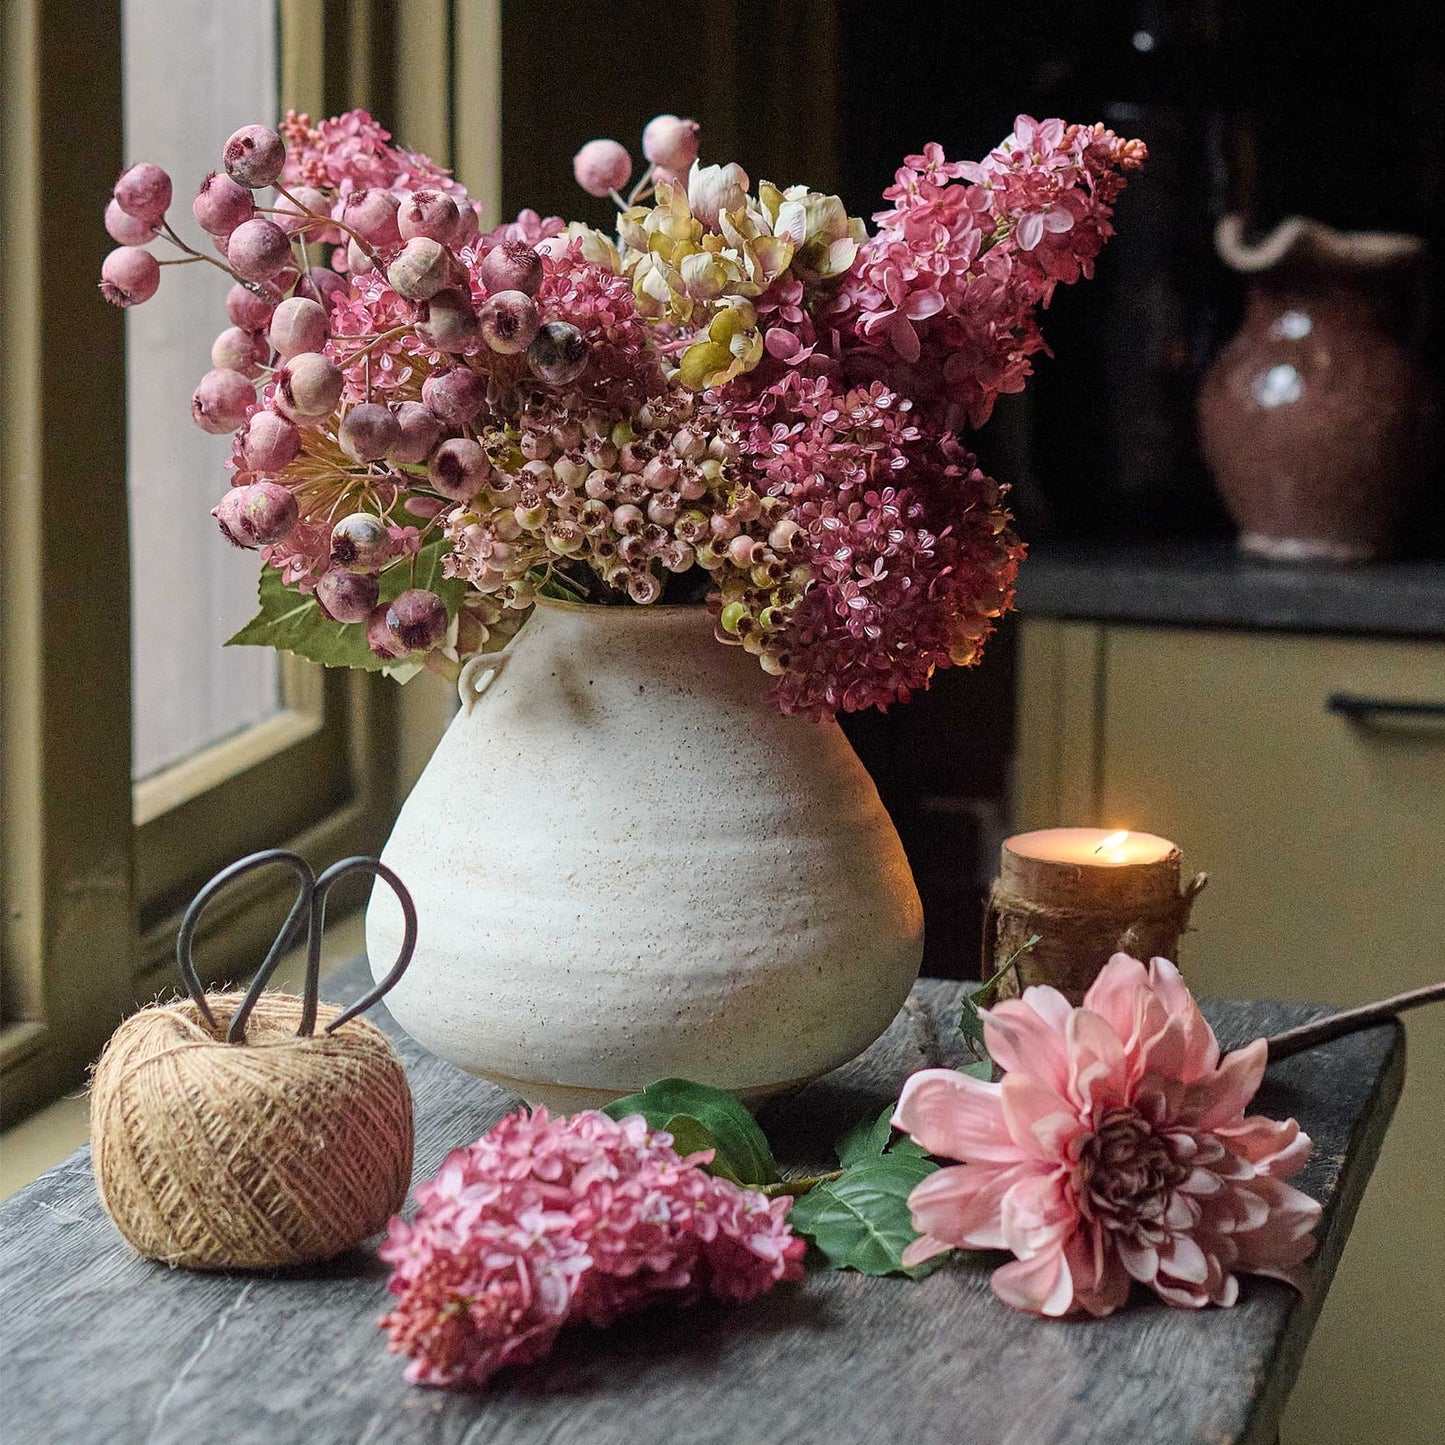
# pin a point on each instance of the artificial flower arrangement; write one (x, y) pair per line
(746, 400)
(1114, 1149)
(742, 398)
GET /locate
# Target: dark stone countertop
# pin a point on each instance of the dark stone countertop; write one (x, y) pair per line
(1208, 584)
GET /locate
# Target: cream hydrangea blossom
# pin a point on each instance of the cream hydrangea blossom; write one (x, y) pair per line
(699, 257)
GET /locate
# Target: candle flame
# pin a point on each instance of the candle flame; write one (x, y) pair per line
(1113, 841)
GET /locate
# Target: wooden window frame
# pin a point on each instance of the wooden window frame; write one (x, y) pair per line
(93, 870)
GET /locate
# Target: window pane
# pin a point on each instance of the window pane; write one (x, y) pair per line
(193, 74)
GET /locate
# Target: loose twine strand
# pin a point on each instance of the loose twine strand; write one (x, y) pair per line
(281, 1151)
(1173, 909)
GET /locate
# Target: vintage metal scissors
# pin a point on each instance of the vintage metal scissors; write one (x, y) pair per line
(308, 911)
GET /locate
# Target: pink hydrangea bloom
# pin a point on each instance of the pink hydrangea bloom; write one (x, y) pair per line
(529, 228)
(367, 308)
(543, 1221)
(945, 294)
(1116, 1148)
(905, 539)
(354, 152)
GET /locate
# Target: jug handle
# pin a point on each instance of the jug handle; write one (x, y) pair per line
(479, 673)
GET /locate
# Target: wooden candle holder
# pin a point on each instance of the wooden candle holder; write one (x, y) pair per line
(1082, 913)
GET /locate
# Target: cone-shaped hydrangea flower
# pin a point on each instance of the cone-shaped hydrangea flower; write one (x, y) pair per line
(543, 1221)
(1116, 1148)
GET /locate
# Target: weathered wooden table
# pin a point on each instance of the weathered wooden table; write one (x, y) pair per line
(99, 1345)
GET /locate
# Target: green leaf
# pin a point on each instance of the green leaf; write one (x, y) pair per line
(872, 1139)
(983, 1069)
(690, 1136)
(902, 1144)
(742, 1150)
(867, 1139)
(292, 621)
(970, 1024)
(861, 1221)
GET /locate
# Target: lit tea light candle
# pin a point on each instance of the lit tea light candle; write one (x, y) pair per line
(1095, 847)
(1087, 893)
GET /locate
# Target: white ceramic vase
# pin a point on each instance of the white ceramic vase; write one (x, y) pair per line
(628, 867)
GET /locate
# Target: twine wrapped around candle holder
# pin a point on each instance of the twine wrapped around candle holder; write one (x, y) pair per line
(1082, 915)
(227, 1133)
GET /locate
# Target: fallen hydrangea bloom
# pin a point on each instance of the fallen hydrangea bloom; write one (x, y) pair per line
(1116, 1148)
(543, 1221)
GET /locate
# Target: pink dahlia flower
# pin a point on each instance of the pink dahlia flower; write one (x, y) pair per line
(543, 1221)
(1116, 1148)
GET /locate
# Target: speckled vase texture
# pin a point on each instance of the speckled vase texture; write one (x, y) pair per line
(628, 867)
(1314, 418)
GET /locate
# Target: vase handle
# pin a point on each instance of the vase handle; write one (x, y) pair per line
(479, 673)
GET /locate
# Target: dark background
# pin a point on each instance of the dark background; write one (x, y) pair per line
(1272, 109)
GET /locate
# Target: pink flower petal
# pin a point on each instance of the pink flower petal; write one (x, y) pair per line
(1292, 1216)
(1274, 1147)
(1140, 1260)
(1221, 1097)
(1027, 1035)
(1202, 1052)
(1181, 1296)
(925, 1247)
(955, 1116)
(1101, 1283)
(781, 344)
(1184, 1260)
(923, 304)
(1203, 1182)
(963, 1205)
(1037, 1215)
(1042, 1285)
(903, 337)
(1113, 994)
(1040, 1123)
(1098, 1068)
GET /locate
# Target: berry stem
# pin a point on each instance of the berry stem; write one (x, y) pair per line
(641, 190)
(356, 236)
(797, 1187)
(374, 342)
(195, 255)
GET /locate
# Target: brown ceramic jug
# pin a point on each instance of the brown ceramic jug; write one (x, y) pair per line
(1313, 418)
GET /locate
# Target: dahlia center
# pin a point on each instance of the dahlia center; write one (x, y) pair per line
(1126, 1172)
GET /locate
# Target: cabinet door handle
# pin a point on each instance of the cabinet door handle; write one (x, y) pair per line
(1362, 709)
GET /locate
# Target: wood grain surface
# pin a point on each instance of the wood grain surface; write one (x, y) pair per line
(99, 1345)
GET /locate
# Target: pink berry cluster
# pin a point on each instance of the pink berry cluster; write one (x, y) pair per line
(543, 1222)
(635, 501)
(742, 397)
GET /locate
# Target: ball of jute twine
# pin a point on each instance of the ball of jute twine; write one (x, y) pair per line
(278, 1151)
